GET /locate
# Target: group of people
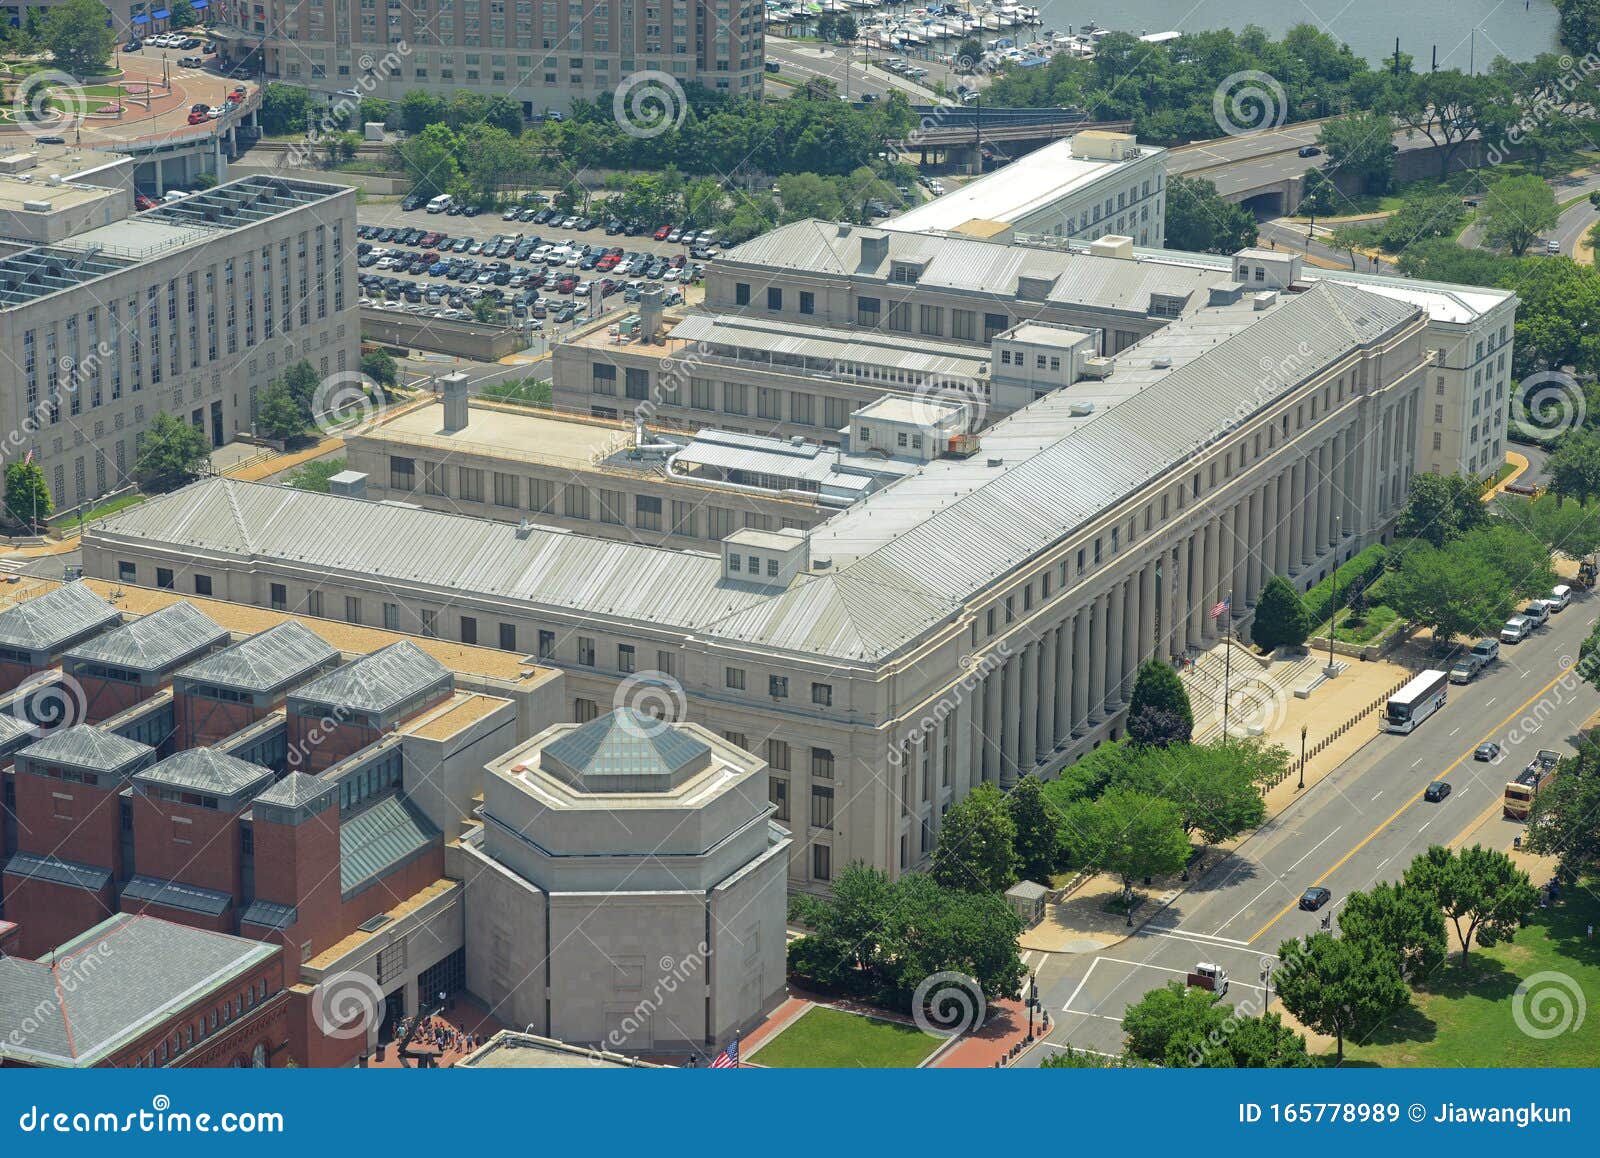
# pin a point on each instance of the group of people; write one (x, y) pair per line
(440, 1034)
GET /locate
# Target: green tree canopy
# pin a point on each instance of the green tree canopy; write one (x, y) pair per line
(1360, 144)
(1571, 528)
(79, 36)
(1441, 507)
(1200, 221)
(380, 367)
(1281, 617)
(1216, 786)
(174, 452)
(1340, 986)
(1574, 466)
(1159, 711)
(1485, 895)
(1565, 822)
(27, 496)
(1037, 842)
(1128, 834)
(278, 415)
(977, 844)
(1406, 919)
(1516, 210)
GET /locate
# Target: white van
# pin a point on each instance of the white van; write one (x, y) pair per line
(440, 203)
(1517, 629)
(1558, 599)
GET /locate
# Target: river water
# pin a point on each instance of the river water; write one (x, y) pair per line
(1504, 27)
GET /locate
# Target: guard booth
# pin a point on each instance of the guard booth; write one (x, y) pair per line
(1027, 899)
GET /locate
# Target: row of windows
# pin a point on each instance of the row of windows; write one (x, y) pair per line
(204, 1025)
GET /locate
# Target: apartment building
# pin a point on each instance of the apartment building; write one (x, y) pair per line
(977, 620)
(540, 53)
(190, 308)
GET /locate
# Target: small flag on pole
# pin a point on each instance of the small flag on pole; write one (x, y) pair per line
(728, 1059)
(28, 459)
(1222, 607)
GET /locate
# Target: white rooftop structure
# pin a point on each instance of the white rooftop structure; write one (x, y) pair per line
(1056, 185)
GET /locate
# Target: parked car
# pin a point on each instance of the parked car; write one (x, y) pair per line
(1559, 598)
(1538, 612)
(1517, 629)
(1487, 649)
(1465, 669)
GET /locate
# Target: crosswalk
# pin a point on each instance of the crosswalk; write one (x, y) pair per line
(14, 564)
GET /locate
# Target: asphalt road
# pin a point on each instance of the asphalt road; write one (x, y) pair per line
(1281, 235)
(1361, 824)
(804, 62)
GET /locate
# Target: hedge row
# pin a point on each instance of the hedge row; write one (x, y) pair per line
(1363, 568)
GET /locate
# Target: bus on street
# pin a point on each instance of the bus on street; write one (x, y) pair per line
(1422, 696)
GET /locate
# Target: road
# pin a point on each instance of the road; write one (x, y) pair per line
(1363, 823)
(1247, 160)
(1283, 234)
(1574, 223)
(804, 62)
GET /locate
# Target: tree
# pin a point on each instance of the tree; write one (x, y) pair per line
(1450, 592)
(1319, 196)
(27, 496)
(1340, 986)
(1405, 919)
(1159, 711)
(1441, 507)
(503, 113)
(279, 415)
(845, 29)
(1036, 841)
(1361, 145)
(1200, 221)
(376, 110)
(428, 159)
(314, 476)
(1127, 834)
(483, 310)
(1170, 1026)
(174, 452)
(1077, 1059)
(1261, 1043)
(1516, 210)
(381, 368)
(303, 383)
(1565, 822)
(419, 109)
(1216, 787)
(1281, 616)
(977, 844)
(182, 16)
(1571, 528)
(79, 36)
(1574, 466)
(968, 54)
(284, 108)
(1484, 894)
(1448, 107)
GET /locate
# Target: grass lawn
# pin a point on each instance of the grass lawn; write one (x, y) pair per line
(1467, 1017)
(829, 1038)
(1377, 620)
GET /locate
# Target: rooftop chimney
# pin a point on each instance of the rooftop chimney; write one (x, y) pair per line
(453, 390)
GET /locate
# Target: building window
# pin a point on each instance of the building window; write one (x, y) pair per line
(202, 585)
(402, 473)
(822, 695)
(821, 764)
(821, 862)
(164, 577)
(778, 754)
(808, 302)
(821, 807)
(733, 677)
(585, 651)
(741, 294)
(778, 687)
(279, 597)
(508, 637)
(547, 644)
(625, 658)
(469, 629)
(778, 793)
(352, 609)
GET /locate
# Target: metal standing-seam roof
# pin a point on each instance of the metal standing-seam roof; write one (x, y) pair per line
(902, 560)
(266, 662)
(377, 682)
(59, 617)
(58, 872)
(378, 838)
(177, 895)
(102, 990)
(207, 771)
(154, 642)
(85, 746)
(824, 344)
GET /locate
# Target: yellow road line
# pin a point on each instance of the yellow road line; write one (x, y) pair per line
(1396, 814)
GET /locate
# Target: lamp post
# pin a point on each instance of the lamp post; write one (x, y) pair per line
(1033, 1000)
(1301, 786)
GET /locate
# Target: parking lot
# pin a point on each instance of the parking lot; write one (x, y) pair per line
(541, 274)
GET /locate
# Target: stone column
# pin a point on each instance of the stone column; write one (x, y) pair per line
(992, 695)
(1147, 612)
(1208, 591)
(1064, 673)
(1010, 736)
(1049, 671)
(1082, 673)
(1285, 520)
(1196, 561)
(1132, 611)
(1116, 618)
(1028, 713)
(1228, 552)
(1097, 658)
(1296, 522)
(1253, 547)
(1240, 587)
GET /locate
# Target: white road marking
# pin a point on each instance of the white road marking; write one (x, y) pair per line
(1313, 849)
(1417, 761)
(1169, 969)
(1246, 905)
(1067, 1008)
(1377, 794)
(1424, 828)
(1203, 938)
(1454, 730)
(1491, 700)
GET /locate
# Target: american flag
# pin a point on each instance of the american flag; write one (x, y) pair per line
(1222, 607)
(728, 1059)
(28, 459)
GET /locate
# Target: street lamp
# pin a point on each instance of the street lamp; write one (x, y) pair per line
(1301, 786)
(1033, 1000)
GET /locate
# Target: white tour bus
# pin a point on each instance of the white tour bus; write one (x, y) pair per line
(1422, 696)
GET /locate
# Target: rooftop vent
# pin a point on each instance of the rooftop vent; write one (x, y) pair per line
(524, 529)
(1161, 363)
(1081, 409)
(994, 460)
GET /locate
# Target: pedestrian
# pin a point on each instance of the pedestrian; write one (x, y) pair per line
(1591, 932)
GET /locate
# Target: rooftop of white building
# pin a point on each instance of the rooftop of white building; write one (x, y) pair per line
(1027, 185)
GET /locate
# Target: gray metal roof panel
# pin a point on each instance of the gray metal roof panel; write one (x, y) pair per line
(56, 871)
(379, 837)
(114, 983)
(269, 915)
(86, 746)
(154, 642)
(266, 661)
(177, 895)
(46, 621)
(626, 743)
(205, 770)
(376, 682)
(296, 789)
